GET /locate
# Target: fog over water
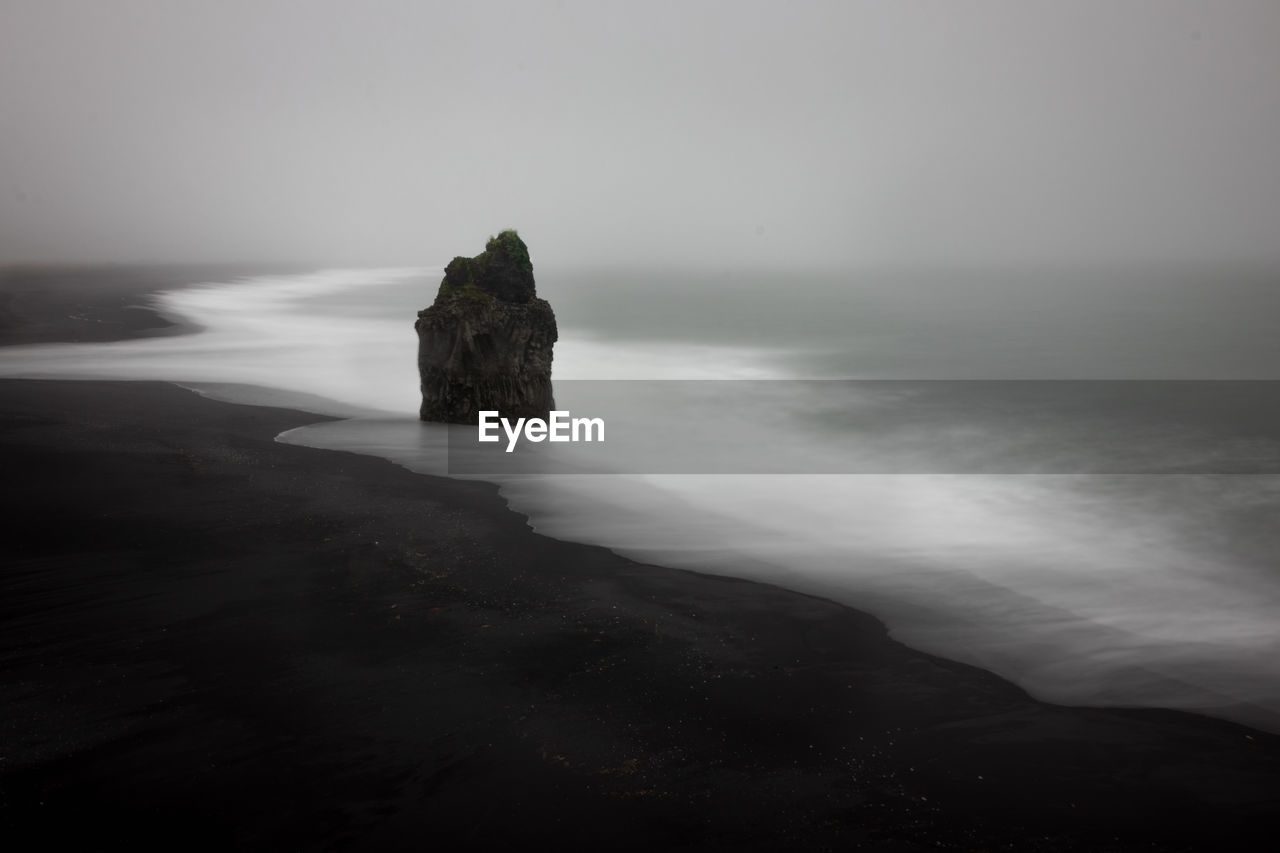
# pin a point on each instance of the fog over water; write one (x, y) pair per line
(722, 135)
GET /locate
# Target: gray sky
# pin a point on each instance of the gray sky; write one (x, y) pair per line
(726, 134)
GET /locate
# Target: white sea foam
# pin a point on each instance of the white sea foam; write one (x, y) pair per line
(295, 333)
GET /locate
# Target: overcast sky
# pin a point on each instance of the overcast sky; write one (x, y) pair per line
(730, 133)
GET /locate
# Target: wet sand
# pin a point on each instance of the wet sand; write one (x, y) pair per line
(212, 640)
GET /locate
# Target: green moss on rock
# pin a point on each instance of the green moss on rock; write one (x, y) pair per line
(508, 243)
(502, 271)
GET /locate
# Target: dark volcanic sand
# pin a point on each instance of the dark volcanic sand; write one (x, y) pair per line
(273, 645)
(209, 639)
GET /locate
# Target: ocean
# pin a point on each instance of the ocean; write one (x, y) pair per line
(1070, 479)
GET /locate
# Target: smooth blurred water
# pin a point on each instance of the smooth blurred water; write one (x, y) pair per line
(1086, 588)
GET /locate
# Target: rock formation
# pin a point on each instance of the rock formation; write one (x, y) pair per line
(485, 343)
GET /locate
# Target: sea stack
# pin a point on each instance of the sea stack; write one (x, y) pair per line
(485, 343)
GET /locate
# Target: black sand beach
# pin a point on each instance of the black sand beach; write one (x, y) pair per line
(213, 640)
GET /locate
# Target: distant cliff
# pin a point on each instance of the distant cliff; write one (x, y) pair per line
(486, 342)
